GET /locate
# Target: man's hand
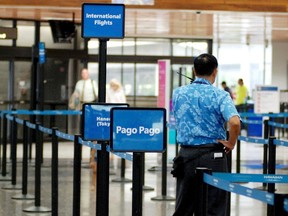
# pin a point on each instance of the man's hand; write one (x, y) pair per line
(227, 145)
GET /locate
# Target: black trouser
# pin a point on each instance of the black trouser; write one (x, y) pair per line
(186, 192)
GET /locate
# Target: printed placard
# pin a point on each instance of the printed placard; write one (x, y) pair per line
(96, 121)
(103, 20)
(138, 129)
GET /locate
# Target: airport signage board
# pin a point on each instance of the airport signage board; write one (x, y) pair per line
(103, 20)
(96, 121)
(266, 99)
(138, 129)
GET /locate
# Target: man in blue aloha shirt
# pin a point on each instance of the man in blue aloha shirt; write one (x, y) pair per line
(201, 111)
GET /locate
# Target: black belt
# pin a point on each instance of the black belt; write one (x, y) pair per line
(210, 145)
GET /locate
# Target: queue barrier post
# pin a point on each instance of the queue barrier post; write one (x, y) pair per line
(145, 187)
(265, 150)
(163, 196)
(122, 178)
(13, 185)
(77, 176)
(38, 160)
(54, 172)
(137, 185)
(201, 209)
(279, 205)
(271, 170)
(102, 191)
(24, 195)
(4, 176)
(238, 156)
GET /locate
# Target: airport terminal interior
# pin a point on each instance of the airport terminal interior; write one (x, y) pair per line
(42, 51)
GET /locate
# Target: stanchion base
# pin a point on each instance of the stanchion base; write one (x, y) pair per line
(163, 198)
(5, 178)
(122, 180)
(12, 187)
(147, 188)
(155, 168)
(23, 197)
(36, 209)
(111, 172)
(158, 168)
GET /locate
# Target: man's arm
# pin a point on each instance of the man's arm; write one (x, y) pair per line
(234, 130)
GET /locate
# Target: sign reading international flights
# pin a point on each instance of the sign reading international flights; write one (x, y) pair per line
(103, 20)
(138, 129)
(96, 121)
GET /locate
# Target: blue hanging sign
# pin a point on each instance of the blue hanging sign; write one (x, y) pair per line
(96, 121)
(103, 20)
(138, 129)
(42, 54)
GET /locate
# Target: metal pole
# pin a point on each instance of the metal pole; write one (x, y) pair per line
(77, 176)
(54, 178)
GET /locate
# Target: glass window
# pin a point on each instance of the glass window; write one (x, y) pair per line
(129, 46)
(93, 71)
(93, 47)
(114, 47)
(26, 32)
(154, 47)
(22, 80)
(189, 47)
(146, 81)
(4, 65)
(114, 71)
(179, 80)
(129, 78)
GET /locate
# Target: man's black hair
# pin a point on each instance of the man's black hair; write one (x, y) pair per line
(205, 64)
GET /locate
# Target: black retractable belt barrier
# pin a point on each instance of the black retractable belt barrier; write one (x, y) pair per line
(122, 178)
(201, 208)
(54, 178)
(4, 176)
(271, 170)
(137, 188)
(164, 196)
(24, 195)
(77, 176)
(13, 185)
(37, 207)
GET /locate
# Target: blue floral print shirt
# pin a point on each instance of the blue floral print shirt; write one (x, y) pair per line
(200, 111)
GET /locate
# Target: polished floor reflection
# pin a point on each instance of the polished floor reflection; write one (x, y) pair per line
(120, 195)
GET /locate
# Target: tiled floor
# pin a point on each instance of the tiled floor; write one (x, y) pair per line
(120, 203)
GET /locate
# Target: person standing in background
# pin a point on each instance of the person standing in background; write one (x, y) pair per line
(86, 88)
(115, 93)
(86, 92)
(200, 111)
(226, 88)
(241, 95)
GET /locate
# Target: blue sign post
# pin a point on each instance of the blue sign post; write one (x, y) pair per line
(103, 21)
(138, 130)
